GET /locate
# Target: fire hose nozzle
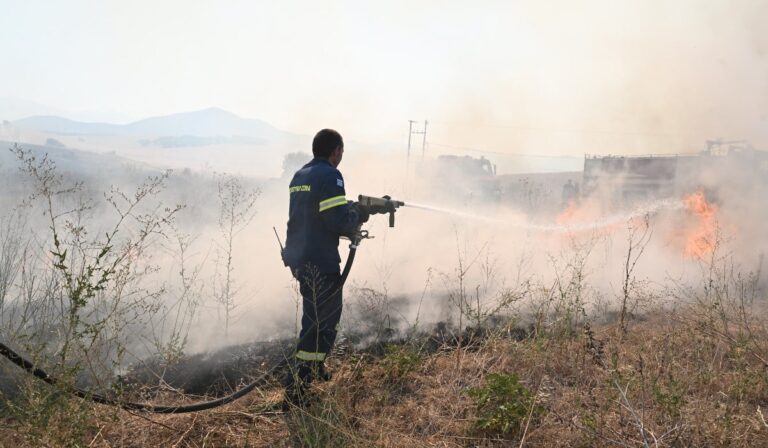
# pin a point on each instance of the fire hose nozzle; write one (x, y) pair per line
(384, 204)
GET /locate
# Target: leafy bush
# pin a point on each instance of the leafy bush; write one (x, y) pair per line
(503, 405)
(399, 361)
(670, 397)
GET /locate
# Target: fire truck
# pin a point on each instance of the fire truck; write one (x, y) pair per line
(623, 179)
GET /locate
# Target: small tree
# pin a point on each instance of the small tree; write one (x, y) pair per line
(94, 292)
(237, 209)
(638, 236)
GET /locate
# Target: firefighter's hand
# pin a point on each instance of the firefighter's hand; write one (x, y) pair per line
(379, 209)
(362, 213)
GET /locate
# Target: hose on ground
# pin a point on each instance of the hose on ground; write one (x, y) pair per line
(41, 374)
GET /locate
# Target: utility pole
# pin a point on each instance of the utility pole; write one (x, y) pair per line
(408, 154)
(412, 132)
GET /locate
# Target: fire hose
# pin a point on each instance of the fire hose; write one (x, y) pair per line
(103, 399)
(372, 206)
(160, 409)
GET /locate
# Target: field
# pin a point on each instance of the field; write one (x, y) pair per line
(641, 329)
(691, 377)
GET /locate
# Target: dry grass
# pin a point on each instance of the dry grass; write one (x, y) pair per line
(666, 382)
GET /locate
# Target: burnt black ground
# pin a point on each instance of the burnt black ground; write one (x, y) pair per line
(215, 374)
(209, 374)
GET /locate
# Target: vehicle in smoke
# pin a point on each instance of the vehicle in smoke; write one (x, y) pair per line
(467, 165)
(460, 179)
(626, 178)
(619, 180)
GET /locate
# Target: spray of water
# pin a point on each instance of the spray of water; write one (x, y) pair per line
(453, 212)
(650, 208)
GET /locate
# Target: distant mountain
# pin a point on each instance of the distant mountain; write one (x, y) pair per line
(65, 126)
(211, 122)
(14, 108)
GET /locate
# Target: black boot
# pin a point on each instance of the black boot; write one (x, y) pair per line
(321, 374)
(297, 382)
(296, 396)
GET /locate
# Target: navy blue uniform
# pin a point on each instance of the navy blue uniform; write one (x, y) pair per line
(318, 214)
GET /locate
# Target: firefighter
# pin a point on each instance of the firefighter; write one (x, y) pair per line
(570, 192)
(318, 214)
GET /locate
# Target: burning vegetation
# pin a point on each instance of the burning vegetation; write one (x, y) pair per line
(701, 239)
(697, 232)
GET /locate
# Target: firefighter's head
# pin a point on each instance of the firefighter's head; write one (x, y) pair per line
(328, 145)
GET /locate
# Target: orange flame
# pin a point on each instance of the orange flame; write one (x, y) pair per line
(570, 215)
(701, 240)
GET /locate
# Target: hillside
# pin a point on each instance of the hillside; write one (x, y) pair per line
(85, 163)
(211, 122)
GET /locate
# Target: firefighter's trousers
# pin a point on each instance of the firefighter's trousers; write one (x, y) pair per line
(322, 302)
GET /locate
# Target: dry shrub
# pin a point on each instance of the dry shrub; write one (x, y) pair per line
(692, 374)
(666, 382)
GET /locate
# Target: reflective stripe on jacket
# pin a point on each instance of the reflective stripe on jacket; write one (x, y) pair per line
(318, 214)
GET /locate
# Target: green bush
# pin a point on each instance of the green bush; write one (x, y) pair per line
(503, 405)
(670, 397)
(399, 361)
(45, 415)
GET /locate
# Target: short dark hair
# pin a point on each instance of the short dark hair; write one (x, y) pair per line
(325, 142)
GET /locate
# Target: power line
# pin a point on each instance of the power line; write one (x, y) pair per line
(563, 131)
(513, 154)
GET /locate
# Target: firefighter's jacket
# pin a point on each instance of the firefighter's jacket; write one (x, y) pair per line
(318, 214)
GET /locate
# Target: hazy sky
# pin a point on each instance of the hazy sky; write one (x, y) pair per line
(547, 77)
